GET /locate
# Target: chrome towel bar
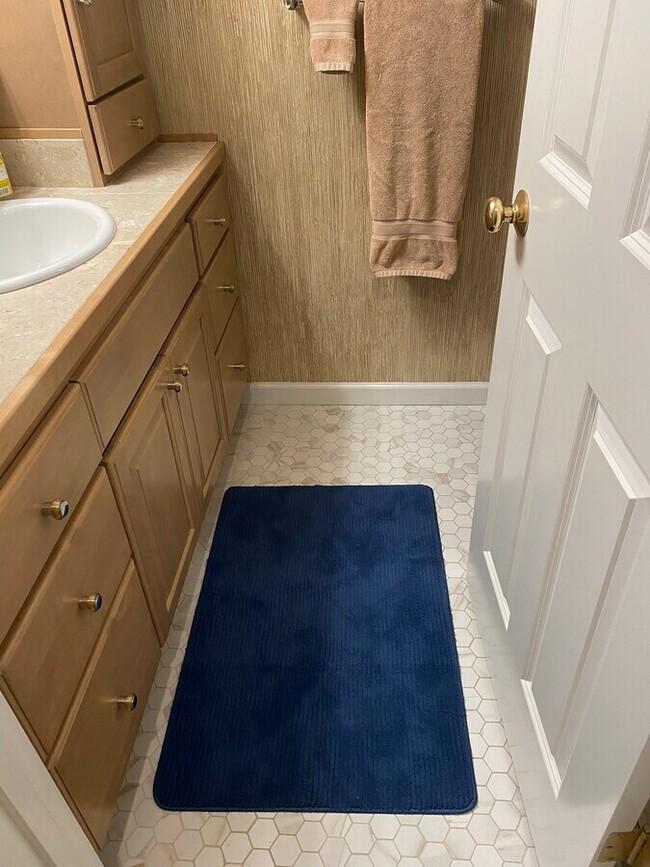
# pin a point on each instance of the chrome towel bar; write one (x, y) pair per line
(292, 5)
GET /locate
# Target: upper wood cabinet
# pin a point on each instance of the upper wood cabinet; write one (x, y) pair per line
(106, 43)
(149, 468)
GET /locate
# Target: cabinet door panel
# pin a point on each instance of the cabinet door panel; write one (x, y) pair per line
(189, 354)
(106, 43)
(232, 363)
(95, 750)
(221, 287)
(148, 465)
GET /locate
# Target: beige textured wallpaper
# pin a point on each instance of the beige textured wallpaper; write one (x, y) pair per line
(297, 175)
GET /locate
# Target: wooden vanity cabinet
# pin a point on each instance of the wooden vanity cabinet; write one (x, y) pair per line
(149, 467)
(106, 43)
(106, 498)
(189, 352)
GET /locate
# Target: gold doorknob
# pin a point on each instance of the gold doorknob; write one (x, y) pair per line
(57, 509)
(128, 702)
(90, 603)
(183, 369)
(174, 386)
(496, 213)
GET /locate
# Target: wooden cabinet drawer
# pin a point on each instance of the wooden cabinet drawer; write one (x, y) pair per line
(115, 371)
(149, 467)
(47, 656)
(56, 464)
(221, 287)
(95, 750)
(106, 44)
(124, 124)
(232, 363)
(210, 220)
(190, 351)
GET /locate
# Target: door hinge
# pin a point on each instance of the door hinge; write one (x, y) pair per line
(628, 847)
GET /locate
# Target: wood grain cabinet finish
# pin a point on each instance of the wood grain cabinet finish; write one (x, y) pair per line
(232, 364)
(189, 353)
(106, 42)
(47, 656)
(54, 468)
(94, 752)
(149, 467)
(116, 369)
(210, 220)
(124, 124)
(221, 286)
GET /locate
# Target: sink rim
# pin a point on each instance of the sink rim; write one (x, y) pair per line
(104, 233)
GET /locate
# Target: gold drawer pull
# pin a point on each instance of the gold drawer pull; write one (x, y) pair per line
(137, 122)
(174, 386)
(230, 289)
(90, 603)
(57, 509)
(217, 221)
(85, 2)
(237, 366)
(183, 369)
(128, 702)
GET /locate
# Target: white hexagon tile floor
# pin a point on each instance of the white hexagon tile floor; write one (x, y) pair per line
(438, 446)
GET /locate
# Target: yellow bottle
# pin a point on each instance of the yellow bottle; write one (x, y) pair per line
(5, 184)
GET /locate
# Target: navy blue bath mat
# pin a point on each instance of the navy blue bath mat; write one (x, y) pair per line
(321, 672)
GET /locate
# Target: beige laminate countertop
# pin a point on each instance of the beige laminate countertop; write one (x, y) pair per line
(46, 329)
(31, 318)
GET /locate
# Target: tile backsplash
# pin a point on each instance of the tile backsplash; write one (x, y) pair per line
(46, 162)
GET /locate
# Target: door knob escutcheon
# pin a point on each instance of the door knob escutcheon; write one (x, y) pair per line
(495, 213)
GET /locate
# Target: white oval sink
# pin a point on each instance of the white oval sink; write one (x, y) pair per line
(40, 238)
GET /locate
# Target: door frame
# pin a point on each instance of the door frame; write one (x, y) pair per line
(34, 805)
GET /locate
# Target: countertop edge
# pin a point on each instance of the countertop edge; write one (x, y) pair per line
(24, 407)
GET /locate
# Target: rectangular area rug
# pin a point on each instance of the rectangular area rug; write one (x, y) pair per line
(321, 672)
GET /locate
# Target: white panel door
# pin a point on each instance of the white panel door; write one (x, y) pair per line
(560, 550)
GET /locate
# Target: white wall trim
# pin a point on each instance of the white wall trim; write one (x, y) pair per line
(369, 393)
(30, 800)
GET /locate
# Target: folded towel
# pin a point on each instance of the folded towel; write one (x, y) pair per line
(422, 66)
(332, 41)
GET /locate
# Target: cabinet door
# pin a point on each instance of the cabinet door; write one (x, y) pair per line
(232, 363)
(148, 465)
(106, 43)
(189, 354)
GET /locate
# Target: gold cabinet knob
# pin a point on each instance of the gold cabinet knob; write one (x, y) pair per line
(230, 289)
(495, 213)
(90, 603)
(217, 221)
(237, 366)
(128, 702)
(183, 369)
(137, 122)
(85, 2)
(174, 386)
(57, 509)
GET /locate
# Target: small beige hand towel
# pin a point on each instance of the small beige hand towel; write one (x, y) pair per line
(422, 67)
(332, 41)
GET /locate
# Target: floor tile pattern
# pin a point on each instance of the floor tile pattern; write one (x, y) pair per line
(437, 446)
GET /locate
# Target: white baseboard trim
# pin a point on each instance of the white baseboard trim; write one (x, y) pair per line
(369, 393)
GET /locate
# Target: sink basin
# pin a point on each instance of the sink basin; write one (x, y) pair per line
(40, 238)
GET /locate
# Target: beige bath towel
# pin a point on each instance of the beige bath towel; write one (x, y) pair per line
(422, 65)
(331, 27)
